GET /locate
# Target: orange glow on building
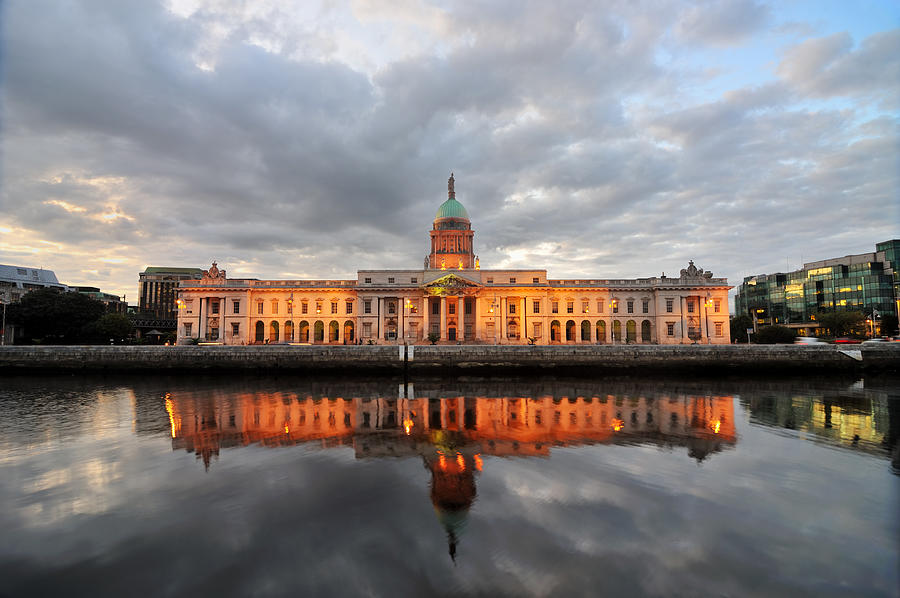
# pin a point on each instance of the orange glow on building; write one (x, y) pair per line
(460, 461)
(478, 462)
(617, 424)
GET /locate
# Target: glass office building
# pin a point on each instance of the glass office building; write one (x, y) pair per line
(865, 282)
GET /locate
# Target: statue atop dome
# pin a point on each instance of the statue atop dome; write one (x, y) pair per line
(451, 192)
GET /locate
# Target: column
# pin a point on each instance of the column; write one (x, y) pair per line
(380, 331)
(681, 306)
(426, 311)
(443, 318)
(523, 320)
(503, 316)
(476, 309)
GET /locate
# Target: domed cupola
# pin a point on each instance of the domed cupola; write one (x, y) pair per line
(451, 235)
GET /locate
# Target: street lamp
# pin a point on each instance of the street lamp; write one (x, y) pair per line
(3, 328)
(290, 303)
(407, 305)
(179, 303)
(706, 306)
(613, 306)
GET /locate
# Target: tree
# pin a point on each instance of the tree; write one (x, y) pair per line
(840, 323)
(55, 317)
(770, 335)
(116, 326)
(433, 337)
(739, 326)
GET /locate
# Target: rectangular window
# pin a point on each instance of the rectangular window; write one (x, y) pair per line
(367, 280)
(537, 330)
(367, 329)
(490, 280)
(468, 307)
(645, 306)
(367, 306)
(334, 307)
(570, 307)
(717, 305)
(392, 307)
(629, 306)
(451, 308)
(214, 307)
(554, 307)
(585, 306)
(304, 307)
(187, 328)
(512, 281)
(274, 307)
(536, 306)
(235, 330)
(512, 307)
(189, 306)
(349, 307)
(718, 328)
(390, 280)
(290, 306)
(318, 307)
(435, 308)
(413, 280)
(259, 308)
(690, 306)
(413, 307)
(669, 306)
(670, 328)
(615, 306)
(600, 303)
(236, 307)
(535, 281)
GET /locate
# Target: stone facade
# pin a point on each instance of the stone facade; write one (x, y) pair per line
(452, 298)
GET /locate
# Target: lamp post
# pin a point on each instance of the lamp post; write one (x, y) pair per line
(290, 303)
(3, 328)
(613, 305)
(706, 305)
(492, 310)
(407, 307)
(179, 303)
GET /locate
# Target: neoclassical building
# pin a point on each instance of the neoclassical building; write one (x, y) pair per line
(452, 298)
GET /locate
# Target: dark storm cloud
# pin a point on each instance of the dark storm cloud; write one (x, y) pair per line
(133, 132)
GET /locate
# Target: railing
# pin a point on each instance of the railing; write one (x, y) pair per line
(243, 283)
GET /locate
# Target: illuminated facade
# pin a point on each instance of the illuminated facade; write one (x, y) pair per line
(453, 300)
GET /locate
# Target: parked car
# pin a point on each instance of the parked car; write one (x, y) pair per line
(844, 340)
(808, 340)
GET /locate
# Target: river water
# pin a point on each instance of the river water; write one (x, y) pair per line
(298, 486)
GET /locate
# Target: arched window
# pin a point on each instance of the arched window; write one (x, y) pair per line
(630, 331)
(289, 331)
(554, 331)
(570, 330)
(617, 331)
(348, 332)
(333, 331)
(585, 330)
(260, 331)
(303, 332)
(645, 331)
(319, 331)
(273, 332)
(601, 332)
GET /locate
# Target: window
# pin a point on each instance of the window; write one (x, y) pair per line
(670, 328)
(468, 307)
(490, 280)
(390, 280)
(290, 306)
(512, 281)
(512, 307)
(318, 307)
(188, 306)
(451, 308)
(717, 305)
(669, 303)
(367, 328)
(349, 306)
(274, 307)
(235, 330)
(645, 306)
(554, 307)
(304, 307)
(600, 306)
(392, 307)
(570, 307)
(413, 280)
(718, 328)
(690, 306)
(259, 307)
(629, 306)
(414, 307)
(214, 307)
(368, 280)
(585, 306)
(435, 308)
(536, 306)
(334, 307)
(187, 328)
(367, 306)
(236, 307)
(535, 281)
(615, 306)
(537, 330)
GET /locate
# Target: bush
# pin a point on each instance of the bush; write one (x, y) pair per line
(770, 335)
(433, 337)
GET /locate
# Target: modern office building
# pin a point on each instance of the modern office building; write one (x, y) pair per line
(452, 298)
(113, 303)
(865, 282)
(156, 289)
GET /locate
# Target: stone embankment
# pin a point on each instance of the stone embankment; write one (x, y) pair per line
(458, 359)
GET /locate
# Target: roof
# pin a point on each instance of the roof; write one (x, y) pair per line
(451, 209)
(28, 274)
(165, 270)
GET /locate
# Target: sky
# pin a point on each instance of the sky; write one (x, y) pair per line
(311, 139)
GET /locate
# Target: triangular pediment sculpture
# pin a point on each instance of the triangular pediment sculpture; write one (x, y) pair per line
(449, 284)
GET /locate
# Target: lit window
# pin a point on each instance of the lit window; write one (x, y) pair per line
(615, 306)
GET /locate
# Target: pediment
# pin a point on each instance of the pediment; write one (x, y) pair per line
(449, 284)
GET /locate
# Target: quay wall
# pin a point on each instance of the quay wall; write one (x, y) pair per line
(457, 359)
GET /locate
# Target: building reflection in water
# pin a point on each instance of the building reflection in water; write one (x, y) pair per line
(452, 435)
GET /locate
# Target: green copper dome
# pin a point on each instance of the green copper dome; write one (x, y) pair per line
(451, 209)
